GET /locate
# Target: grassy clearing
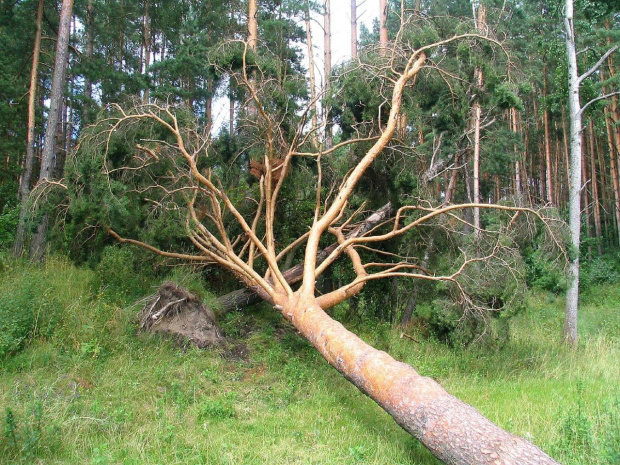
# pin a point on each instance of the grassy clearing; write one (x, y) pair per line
(87, 390)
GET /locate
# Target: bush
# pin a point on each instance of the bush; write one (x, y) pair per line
(28, 309)
(123, 272)
(9, 217)
(544, 275)
(601, 270)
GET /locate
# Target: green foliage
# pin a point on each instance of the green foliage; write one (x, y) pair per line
(542, 274)
(29, 308)
(29, 437)
(599, 270)
(9, 216)
(584, 435)
(124, 272)
(218, 409)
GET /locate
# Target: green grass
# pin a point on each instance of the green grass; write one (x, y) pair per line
(93, 392)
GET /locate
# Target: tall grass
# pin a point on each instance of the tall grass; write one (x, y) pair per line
(92, 391)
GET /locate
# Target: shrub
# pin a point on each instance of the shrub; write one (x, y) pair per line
(123, 272)
(601, 270)
(28, 309)
(8, 225)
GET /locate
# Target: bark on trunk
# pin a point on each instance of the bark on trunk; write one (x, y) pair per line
(253, 25)
(327, 64)
(24, 183)
(353, 29)
(613, 170)
(147, 45)
(313, 101)
(90, 47)
(246, 297)
(612, 131)
(477, 116)
(548, 180)
(48, 161)
(383, 31)
(596, 204)
(452, 430)
(585, 199)
(572, 294)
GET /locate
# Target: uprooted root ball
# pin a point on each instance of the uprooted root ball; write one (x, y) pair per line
(174, 310)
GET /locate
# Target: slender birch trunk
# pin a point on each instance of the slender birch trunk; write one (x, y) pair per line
(572, 294)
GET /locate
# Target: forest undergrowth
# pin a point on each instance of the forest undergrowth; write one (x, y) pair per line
(78, 385)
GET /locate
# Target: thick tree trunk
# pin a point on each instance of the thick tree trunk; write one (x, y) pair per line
(572, 294)
(453, 431)
(246, 297)
(48, 161)
(24, 183)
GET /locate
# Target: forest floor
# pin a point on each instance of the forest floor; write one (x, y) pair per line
(88, 390)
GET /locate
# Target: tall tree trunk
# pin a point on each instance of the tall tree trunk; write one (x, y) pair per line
(147, 45)
(231, 109)
(209, 108)
(549, 183)
(353, 29)
(24, 184)
(585, 199)
(313, 102)
(327, 71)
(89, 50)
(596, 204)
(383, 31)
(48, 160)
(613, 141)
(477, 116)
(572, 294)
(253, 24)
(613, 168)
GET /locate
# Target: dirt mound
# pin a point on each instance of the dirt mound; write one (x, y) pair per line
(176, 311)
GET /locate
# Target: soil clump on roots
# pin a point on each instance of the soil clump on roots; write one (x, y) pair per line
(175, 311)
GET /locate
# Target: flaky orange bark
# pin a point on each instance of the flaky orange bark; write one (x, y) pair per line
(452, 430)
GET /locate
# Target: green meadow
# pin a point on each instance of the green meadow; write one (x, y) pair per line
(79, 385)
